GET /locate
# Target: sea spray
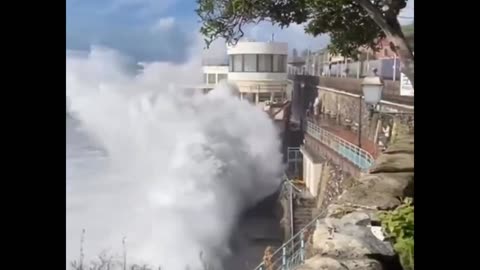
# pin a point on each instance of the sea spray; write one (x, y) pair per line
(176, 169)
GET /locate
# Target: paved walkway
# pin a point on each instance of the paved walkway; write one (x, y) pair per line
(346, 134)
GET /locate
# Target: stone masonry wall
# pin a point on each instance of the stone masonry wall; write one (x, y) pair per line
(344, 111)
(391, 92)
(344, 239)
(332, 156)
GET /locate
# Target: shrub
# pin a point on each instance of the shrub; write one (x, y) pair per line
(399, 227)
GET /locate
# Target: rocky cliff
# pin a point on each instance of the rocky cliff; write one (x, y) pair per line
(349, 237)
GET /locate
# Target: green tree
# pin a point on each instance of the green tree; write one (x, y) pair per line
(351, 24)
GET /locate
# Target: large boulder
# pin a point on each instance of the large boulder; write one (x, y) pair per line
(362, 196)
(398, 162)
(404, 144)
(356, 218)
(395, 184)
(399, 157)
(339, 238)
(319, 262)
(344, 239)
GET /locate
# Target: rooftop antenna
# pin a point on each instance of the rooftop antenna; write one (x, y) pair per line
(273, 32)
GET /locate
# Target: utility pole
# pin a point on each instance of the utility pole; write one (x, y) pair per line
(360, 122)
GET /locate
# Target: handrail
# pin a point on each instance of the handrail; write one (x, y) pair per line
(289, 182)
(292, 252)
(358, 156)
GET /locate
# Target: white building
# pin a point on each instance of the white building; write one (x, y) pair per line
(259, 69)
(214, 74)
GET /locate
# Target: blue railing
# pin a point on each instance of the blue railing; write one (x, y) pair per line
(356, 155)
(293, 253)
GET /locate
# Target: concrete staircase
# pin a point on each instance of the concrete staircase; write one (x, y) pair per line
(302, 212)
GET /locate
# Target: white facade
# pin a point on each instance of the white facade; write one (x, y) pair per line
(214, 74)
(312, 172)
(259, 69)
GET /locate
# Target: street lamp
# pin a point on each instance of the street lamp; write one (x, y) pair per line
(372, 88)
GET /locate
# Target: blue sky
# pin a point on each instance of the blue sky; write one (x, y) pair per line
(156, 30)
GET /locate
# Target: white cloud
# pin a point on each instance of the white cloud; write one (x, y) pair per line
(163, 24)
(144, 6)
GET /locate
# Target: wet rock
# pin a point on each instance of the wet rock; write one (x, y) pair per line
(403, 147)
(399, 162)
(344, 238)
(356, 218)
(399, 157)
(395, 184)
(363, 197)
(403, 144)
(338, 210)
(362, 264)
(326, 263)
(321, 263)
(348, 241)
(368, 239)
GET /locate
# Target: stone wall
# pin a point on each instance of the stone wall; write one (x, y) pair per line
(330, 155)
(344, 109)
(344, 239)
(391, 91)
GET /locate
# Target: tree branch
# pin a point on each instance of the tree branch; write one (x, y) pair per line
(376, 16)
(390, 25)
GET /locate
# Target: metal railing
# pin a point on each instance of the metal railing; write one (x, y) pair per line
(293, 252)
(294, 161)
(356, 155)
(291, 190)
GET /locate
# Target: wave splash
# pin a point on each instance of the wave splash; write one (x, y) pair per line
(178, 166)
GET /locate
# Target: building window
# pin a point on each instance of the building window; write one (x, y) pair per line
(251, 97)
(222, 76)
(250, 62)
(265, 62)
(204, 77)
(230, 63)
(258, 63)
(262, 97)
(278, 96)
(237, 63)
(279, 63)
(211, 79)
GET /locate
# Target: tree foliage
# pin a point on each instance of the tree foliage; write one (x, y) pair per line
(348, 23)
(399, 226)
